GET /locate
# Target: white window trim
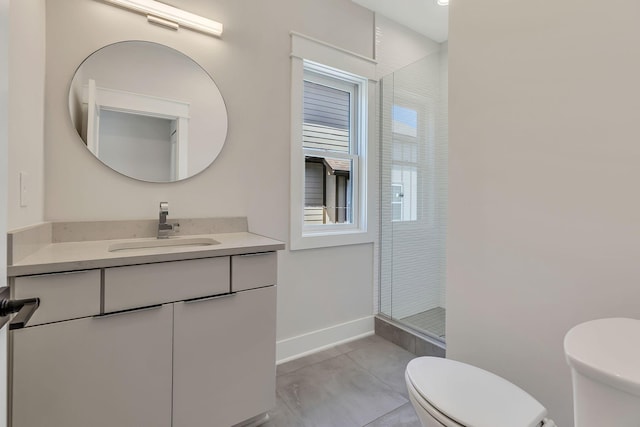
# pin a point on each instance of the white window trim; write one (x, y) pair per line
(357, 88)
(309, 52)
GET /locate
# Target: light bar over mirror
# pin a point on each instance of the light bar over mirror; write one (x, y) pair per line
(169, 16)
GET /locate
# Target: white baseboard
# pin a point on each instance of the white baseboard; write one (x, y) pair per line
(312, 342)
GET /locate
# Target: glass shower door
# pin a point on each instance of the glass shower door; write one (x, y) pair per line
(414, 195)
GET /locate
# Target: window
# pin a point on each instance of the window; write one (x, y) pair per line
(329, 146)
(397, 196)
(404, 169)
(405, 121)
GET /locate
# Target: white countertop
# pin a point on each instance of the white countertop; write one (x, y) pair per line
(70, 256)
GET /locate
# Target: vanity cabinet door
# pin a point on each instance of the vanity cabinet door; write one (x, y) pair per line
(224, 358)
(63, 296)
(250, 271)
(150, 284)
(107, 371)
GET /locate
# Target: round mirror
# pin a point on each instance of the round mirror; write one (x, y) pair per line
(148, 111)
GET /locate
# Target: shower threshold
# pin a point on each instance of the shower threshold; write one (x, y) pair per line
(409, 338)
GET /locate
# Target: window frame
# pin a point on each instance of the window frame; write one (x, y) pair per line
(325, 76)
(312, 57)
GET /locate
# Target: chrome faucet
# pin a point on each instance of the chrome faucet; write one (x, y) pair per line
(164, 228)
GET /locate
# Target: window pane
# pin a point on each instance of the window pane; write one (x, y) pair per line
(397, 196)
(314, 183)
(405, 151)
(405, 121)
(327, 118)
(404, 178)
(328, 190)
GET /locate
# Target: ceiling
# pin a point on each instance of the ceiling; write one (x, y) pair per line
(423, 16)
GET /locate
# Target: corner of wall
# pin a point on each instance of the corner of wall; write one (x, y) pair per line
(27, 49)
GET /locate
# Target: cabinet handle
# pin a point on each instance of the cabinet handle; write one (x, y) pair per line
(24, 307)
(202, 299)
(133, 310)
(255, 254)
(66, 273)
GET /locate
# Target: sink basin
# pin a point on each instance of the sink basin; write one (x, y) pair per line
(163, 243)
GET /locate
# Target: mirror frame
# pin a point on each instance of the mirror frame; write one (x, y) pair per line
(150, 105)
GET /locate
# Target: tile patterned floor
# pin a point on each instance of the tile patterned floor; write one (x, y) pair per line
(356, 384)
(431, 321)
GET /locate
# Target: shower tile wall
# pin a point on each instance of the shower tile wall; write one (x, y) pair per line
(413, 189)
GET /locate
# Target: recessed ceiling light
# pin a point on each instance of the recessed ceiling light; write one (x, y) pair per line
(443, 2)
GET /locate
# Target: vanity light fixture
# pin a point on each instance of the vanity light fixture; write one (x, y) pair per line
(443, 2)
(169, 16)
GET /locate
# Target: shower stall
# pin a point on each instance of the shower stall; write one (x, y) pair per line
(413, 217)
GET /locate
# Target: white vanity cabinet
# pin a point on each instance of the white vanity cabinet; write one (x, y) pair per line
(171, 344)
(241, 384)
(96, 371)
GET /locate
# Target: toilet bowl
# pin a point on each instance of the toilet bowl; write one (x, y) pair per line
(604, 356)
(448, 393)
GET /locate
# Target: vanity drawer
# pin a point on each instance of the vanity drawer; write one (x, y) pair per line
(62, 296)
(150, 284)
(253, 271)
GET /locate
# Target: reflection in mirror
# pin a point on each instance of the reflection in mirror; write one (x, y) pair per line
(148, 111)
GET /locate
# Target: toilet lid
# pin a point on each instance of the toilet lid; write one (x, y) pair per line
(472, 396)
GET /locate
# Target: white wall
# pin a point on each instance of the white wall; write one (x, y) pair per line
(4, 134)
(26, 110)
(544, 228)
(251, 66)
(398, 46)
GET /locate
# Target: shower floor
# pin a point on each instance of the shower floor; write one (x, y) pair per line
(431, 321)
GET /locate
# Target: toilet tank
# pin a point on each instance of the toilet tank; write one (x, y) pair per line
(604, 356)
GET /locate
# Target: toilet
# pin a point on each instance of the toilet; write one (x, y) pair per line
(448, 393)
(604, 357)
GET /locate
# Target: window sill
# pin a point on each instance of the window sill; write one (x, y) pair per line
(327, 239)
